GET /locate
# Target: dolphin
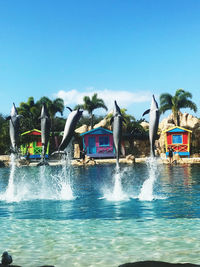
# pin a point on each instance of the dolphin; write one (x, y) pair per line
(153, 124)
(116, 122)
(45, 133)
(70, 126)
(14, 126)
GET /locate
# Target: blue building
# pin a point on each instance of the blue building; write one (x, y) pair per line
(178, 138)
(98, 143)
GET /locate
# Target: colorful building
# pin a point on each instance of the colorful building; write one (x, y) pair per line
(178, 139)
(32, 145)
(98, 143)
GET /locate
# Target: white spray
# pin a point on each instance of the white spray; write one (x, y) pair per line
(146, 192)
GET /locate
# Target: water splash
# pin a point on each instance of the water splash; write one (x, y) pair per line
(45, 190)
(65, 183)
(148, 185)
(66, 192)
(40, 183)
(56, 186)
(117, 194)
(61, 187)
(10, 192)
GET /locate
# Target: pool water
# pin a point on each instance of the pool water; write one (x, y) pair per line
(78, 216)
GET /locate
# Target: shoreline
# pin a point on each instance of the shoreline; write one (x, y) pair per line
(5, 160)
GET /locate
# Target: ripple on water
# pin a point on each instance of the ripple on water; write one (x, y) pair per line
(100, 242)
(90, 230)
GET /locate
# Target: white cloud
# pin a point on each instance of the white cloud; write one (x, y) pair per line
(125, 99)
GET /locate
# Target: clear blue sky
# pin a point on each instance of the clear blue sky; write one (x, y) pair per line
(122, 49)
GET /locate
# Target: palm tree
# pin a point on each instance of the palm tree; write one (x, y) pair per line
(30, 111)
(54, 106)
(4, 135)
(90, 104)
(176, 102)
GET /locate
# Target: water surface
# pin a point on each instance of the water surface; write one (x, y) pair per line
(71, 216)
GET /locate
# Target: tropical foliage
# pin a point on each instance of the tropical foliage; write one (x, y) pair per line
(4, 135)
(30, 111)
(87, 120)
(132, 129)
(90, 104)
(53, 107)
(181, 99)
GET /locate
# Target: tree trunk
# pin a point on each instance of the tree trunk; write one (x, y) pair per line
(176, 118)
(131, 145)
(53, 143)
(92, 121)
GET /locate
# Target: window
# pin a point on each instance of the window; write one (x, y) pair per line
(103, 141)
(177, 139)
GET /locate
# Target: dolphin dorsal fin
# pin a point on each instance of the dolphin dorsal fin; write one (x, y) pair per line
(146, 112)
(69, 108)
(20, 116)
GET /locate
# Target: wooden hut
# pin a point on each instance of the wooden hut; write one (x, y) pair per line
(32, 145)
(98, 143)
(178, 139)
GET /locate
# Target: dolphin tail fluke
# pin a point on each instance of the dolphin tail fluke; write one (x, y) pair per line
(43, 163)
(13, 150)
(117, 165)
(117, 157)
(59, 152)
(152, 152)
(146, 112)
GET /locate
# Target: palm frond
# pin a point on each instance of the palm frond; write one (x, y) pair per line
(165, 99)
(186, 95)
(164, 108)
(31, 101)
(189, 104)
(179, 92)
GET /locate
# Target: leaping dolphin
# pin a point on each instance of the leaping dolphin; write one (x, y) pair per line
(14, 125)
(153, 124)
(116, 122)
(70, 126)
(45, 133)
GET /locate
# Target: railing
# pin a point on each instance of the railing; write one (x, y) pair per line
(104, 150)
(178, 148)
(37, 150)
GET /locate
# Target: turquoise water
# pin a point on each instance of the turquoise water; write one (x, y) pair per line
(72, 216)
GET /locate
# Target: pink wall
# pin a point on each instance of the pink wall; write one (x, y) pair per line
(86, 137)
